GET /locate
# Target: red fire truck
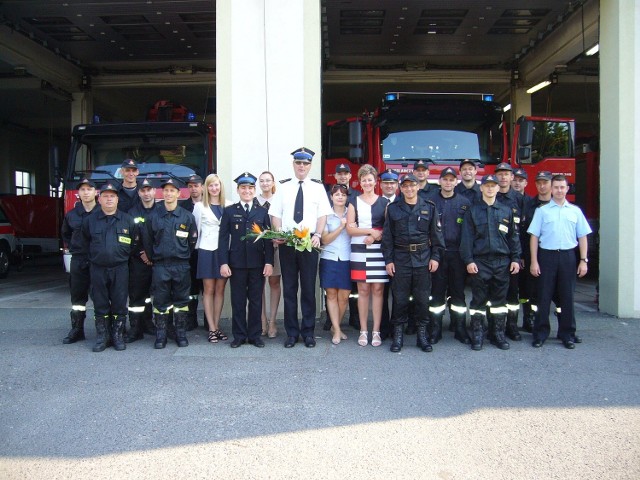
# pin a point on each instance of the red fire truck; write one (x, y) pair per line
(170, 144)
(443, 129)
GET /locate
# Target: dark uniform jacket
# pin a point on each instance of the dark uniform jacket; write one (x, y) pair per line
(427, 191)
(140, 215)
(125, 201)
(515, 201)
(169, 236)
(451, 212)
(235, 224)
(71, 234)
(416, 225)
(187, 204)
(489, 230)
(109, 240)
(530, 206)
(472, 194)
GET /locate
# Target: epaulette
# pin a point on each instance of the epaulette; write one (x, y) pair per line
(317, 181)
(285, 180)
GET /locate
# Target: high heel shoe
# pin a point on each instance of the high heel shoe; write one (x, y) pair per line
(272, 333)
(363, 339)
(337, 338)
(376, 341)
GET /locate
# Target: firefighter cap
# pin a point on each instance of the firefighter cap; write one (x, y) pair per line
(448, 171)
(246, 179)
(489, 179)
(145, 183)
(86, 181)
(129, 163)
(194, 179)
(303, 154)
(169, 181)
(469, 161)
(109, 187)
(520, 172)
(504, 166)
(389, 175)
(409, 177)
(343, 167)
(420, 164)
(544, 175)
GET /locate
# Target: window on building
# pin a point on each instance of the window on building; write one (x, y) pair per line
(56, 192)
(23, 183)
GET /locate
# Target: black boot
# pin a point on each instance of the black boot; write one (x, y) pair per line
(527, 317)
(77, 327)
(160, 320)
(490, 326)
(434, 327)
(422, 338)
(170, 326)
(148, 326)
(512, 326)
(135, 327)
(460, 320)
(117, 332)
(397, 343)
(102, 333)
(453, 318)
(477, 331)
(192, 317)
(180, 319)
(499, 339)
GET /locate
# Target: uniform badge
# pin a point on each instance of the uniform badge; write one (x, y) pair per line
(123, 239)
(181, 234)
(503, 228)
(183, 226)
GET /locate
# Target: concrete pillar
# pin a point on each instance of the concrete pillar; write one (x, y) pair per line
(619, 160)
(81, 108)
(268, 85)
(520, 104)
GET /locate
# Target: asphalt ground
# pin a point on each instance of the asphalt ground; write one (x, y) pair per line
(209, 411)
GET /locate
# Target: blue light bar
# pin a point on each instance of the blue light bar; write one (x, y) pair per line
(390, 97)
(487, 98)
(191, 116)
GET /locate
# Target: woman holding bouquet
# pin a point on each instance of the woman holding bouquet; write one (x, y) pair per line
(365, 219)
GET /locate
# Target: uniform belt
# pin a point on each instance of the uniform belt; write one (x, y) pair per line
(412, 247)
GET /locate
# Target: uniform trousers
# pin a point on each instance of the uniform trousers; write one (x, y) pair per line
(110, 289)
(196, 283)
(170, 285)
(139, 283)
(414, 282)
(79, 281)
(491, 283)
(299, 269)
(449, 278)
(557, 275)
(246, 285)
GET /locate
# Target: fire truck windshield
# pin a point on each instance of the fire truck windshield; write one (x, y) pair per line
(438, 146)
(176, 155)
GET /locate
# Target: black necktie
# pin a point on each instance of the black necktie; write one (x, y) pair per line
(246, 208)
(299, 206)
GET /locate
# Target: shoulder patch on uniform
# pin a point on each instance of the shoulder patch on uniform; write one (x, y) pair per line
(285, 180)
(463, 207)
(316, 180)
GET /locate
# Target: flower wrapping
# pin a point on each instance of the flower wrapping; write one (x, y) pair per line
(300, 239)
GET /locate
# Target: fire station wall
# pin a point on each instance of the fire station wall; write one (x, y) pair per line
(23, 150)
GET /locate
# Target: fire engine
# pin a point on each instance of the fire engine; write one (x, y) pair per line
(171, 143)
(444, 129)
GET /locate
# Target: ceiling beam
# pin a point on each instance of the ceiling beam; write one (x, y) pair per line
(493, 77)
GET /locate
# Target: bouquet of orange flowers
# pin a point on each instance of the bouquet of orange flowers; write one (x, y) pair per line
(299, 239)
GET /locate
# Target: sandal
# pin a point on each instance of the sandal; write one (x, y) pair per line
(220, 335)
(212, 337)
(363, 339)
(272, 333)
(376, 341)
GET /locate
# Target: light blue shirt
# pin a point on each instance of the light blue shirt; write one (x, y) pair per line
(340, 248)
(558, 227)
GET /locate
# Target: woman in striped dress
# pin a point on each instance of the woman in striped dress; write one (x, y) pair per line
(365, 219)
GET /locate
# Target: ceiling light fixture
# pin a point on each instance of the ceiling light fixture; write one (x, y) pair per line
(593, 50)
(539, 86)
(507, 108)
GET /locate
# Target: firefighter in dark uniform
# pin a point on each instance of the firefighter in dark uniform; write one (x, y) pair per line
(449, 279)
(140, 271)
(412, 245)
(109, 237)
(245, 261)
(421, 172)
(194, 184)
(128, 191)
(515, 201)
(490, 248)
(468, 187)
(169, 238)
(79, 280)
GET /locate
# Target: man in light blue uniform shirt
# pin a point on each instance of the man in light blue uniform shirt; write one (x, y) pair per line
(556, 229)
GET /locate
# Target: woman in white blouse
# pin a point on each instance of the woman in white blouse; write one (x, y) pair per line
(208, 214)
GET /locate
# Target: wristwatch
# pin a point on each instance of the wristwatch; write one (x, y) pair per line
(585, 260)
